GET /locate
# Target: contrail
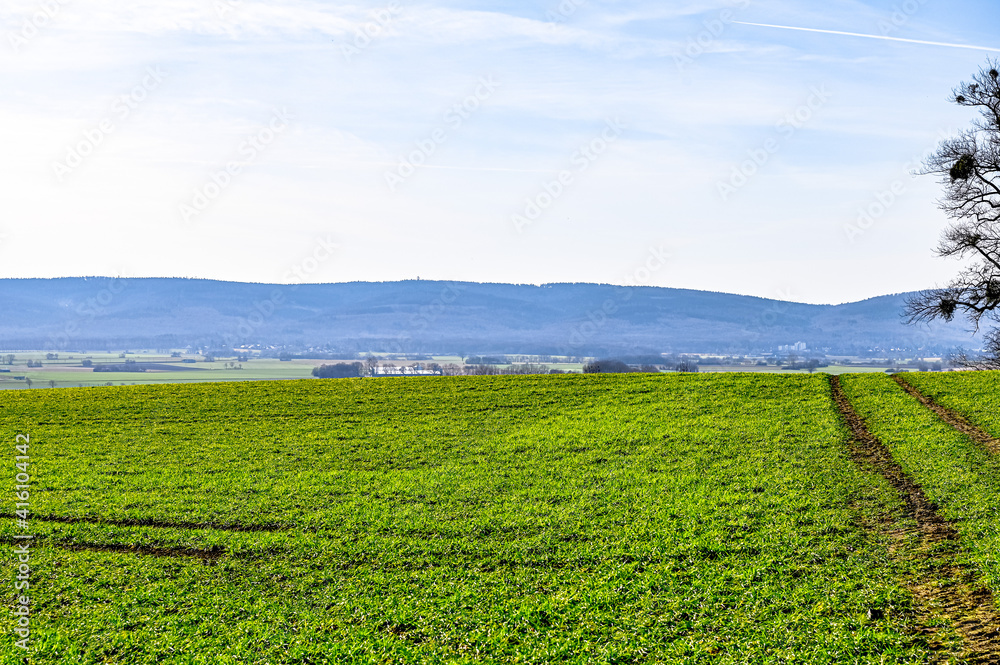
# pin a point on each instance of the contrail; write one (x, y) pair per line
(858, 34)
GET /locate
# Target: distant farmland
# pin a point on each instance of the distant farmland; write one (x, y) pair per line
(640, 518)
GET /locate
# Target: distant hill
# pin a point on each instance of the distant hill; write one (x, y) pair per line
(454, 317)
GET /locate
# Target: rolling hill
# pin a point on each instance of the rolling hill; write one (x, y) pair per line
(452, 317)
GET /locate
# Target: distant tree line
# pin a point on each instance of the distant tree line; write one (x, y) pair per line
(373, 368)
(493, 370)
(127, 366)
(339, 371)
(615, 366)
(485, 360)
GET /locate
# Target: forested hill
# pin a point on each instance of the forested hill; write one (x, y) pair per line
(442, 317)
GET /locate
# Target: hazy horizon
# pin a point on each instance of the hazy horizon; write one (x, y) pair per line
(457, 281)
(496, 142)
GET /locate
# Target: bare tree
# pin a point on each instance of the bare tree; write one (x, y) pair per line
(968, 166)
(990, 359)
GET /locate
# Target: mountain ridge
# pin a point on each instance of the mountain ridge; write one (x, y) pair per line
(421, 316)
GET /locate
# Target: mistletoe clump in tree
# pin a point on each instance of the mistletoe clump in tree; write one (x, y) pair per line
(969, 168)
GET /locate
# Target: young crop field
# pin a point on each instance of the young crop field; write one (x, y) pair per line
(973, 395)
(957, 546)
(636, 518)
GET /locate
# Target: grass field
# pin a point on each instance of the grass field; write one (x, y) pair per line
(974, 395)
(572, 519)
(68, 373)
(960, 477)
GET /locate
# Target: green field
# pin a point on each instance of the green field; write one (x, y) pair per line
(67, 370)
(960, 477)
(68, 373)
(976, 395)
(542, 519)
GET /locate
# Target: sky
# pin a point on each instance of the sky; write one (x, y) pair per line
(651, 143)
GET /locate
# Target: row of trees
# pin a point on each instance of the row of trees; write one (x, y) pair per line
(339, 371)
(523, 369)
(357, 369)
(128, 366)
(372, 368)
(612, 366)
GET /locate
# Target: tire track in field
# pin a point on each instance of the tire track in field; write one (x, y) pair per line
(952, 417)
(159, 524)
(208, 555)
(952, 590)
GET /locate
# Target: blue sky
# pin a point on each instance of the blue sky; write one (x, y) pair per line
(659, 143)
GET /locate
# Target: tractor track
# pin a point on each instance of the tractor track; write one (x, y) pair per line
(952, 417)
(207, 555)
(967, 604)
(158, 524)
